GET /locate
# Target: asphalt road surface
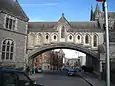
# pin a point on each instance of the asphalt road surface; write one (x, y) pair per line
(59, 80)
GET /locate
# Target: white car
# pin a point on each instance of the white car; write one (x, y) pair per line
(39, 70)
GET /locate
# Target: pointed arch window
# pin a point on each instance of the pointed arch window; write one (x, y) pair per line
(70, 37)
(87, 39)
(7, 49)
(47, 37)
(95, 40)
(62, 32)
(78, 37)
(39, 37)
(55, 37)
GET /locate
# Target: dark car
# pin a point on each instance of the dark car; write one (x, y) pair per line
(12, 77)
(71, 72)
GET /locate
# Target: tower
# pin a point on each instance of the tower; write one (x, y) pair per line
(97, 13)
(92, 14)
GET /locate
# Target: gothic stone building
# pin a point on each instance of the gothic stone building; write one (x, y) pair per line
(89, 33)
(13, 33)
(14, 25)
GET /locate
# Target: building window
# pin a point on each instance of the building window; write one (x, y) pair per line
(70, 37)
(54, 37)
(62, 32)
(95, 40)
(7, 49)
(10, 23)
(78, 37)
(86, 39)
(47, 36)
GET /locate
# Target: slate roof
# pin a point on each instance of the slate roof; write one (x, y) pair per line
(41, 26)
(110, 15)
(76, 26)
(13, 8)
(71, 26)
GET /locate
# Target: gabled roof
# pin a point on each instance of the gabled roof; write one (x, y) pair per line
(13, 8)
(70, 26)
(41, 26)
(84, 24)
(63, 19)
(76, 26)
(90, 26)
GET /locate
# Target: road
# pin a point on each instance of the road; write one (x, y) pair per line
(59, 80)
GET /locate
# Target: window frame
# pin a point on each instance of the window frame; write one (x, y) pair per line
(7, 54)
(55, 37)
(47, 37)
(70, 37)
(10, 24)
(63, 32)
(95, 40)
(87, 39)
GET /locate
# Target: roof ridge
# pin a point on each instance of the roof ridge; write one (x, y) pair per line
(42, 22)
(82, 21)
(22, 9)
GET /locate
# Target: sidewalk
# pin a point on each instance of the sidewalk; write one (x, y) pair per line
(34, 76)
(93, 80)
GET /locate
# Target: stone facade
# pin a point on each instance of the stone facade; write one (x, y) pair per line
(12, 28)
(14, 25)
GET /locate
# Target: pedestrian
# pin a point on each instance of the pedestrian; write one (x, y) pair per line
(28, 70)
(33, 69)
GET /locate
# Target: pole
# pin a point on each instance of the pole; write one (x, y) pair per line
(107, 45)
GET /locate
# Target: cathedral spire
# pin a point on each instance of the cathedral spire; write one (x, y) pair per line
(97, 9)
(97, 12)
(62, 14)
(91, 16)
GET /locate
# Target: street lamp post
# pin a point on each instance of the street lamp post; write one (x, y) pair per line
(107, 43)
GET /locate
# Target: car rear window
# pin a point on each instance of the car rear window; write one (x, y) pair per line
(23, 76)
(39, 68)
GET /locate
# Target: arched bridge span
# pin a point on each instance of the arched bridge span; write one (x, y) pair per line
(44, 48)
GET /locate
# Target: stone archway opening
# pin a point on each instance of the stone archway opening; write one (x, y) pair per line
(72, 46)
(89, 53)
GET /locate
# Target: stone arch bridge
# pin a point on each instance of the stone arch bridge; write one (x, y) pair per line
(92, 56)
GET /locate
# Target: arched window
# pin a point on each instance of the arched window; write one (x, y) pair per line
(87, 39)
(62, 32)
(78, 37)
(95, 40)
(70, 37)
(7, 49)
(54, 36)
(47, 36)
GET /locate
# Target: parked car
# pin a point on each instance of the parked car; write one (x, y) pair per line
(39, 70)
(78, 69)
(12, 77)
(71, 72)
